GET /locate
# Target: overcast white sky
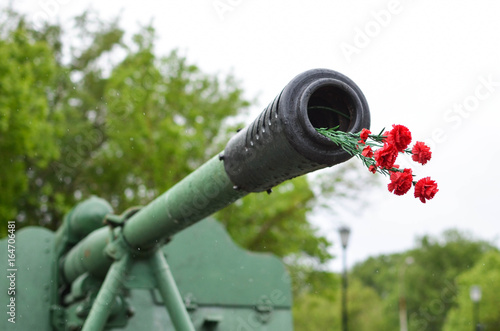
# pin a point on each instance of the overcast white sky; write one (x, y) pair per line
(430, 65)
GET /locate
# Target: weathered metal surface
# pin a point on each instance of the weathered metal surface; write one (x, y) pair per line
(208, 264)
(33, 280)
(220, 283)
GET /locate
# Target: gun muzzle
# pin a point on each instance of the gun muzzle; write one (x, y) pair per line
(282, 142)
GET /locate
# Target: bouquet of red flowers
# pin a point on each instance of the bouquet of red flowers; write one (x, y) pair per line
(379, 153)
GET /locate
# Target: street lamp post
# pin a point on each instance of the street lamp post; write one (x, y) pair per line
(403, 316)
(344, 238)
(475, 296)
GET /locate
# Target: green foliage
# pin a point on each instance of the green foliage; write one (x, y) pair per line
(381, 274)
(269, 229)
(321, 310)
(437, 263)
(364, 307)
(27, 71)
(485, 273)
(308, 279)
(315, 296)
(429, 282)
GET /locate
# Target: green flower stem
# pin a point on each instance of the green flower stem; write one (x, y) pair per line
(349, 142)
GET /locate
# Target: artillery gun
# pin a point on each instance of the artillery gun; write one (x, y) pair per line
(102, 271)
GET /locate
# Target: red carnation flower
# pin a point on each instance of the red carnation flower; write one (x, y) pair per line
(400, 137)
(367, 152)
(386, 156)
(372, 168)
(385, 134)
(401, 182)
(421, 152)
(425, 188)
(363, 136)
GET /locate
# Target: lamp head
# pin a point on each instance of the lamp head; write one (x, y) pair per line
(344, 232)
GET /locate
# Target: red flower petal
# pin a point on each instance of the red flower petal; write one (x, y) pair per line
(400, 137)
(421, 153)
(364, 134)
(386, 156)
(401, 182)
(367, 152)
(425, 189)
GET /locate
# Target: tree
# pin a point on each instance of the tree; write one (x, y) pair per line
(27, 70)
(437, 264)
(320, 309)
(430, 287)
(485, 273)
(49, 189)
(266, 222)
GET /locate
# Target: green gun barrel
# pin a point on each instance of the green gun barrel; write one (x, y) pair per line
(280, 144)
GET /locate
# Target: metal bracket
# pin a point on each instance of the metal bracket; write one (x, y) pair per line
(190, 302)
(58, 317)
(119, 220)
(264, 308)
